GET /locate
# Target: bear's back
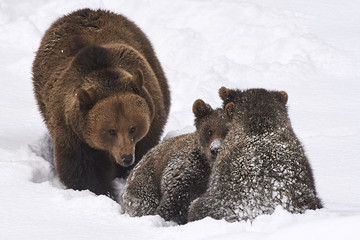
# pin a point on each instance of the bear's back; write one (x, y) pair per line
(82, 28)
(145, 183)
(264, 172)
(166, 153)
(262, 163)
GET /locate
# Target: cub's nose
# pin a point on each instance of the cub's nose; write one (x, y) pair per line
(127, 159)
(214, 151)
(215, 146)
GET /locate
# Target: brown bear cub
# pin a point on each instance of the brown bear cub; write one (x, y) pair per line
(261, 164)
(176, 171)
(102, 94)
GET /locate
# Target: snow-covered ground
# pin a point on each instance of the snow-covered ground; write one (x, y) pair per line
(311, 49)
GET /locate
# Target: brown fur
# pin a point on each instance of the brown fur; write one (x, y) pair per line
(102, 94)
(176, 171)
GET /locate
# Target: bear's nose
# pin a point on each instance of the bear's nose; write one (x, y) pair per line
(214, 151)
(215, 146)
(127, 159)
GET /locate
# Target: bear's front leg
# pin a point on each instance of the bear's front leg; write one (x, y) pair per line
(200, 208)
(141, 195)
(214, 206)
(181, 185)
(175, 202)
(81, 167)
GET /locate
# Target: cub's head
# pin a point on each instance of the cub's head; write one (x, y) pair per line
(115, 124)
(211, 126)
(259, 110)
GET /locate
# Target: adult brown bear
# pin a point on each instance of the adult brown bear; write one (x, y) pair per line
(103, 95)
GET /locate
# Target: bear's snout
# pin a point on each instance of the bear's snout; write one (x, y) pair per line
(123, 150)
(127, 159)
(215, 146)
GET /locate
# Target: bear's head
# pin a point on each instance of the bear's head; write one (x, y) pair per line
(211, 126)
(115, 124)
(112, 109)
(259, 110)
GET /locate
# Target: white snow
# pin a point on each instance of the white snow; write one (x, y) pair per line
(310, 49)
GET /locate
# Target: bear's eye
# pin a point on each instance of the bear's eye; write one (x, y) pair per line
(132, 130)
(135, 90)
(112, 132)
(210, 132)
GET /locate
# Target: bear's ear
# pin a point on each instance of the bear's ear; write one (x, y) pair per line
(283, 96)
(229, 109)
(227, 95)
(201, 109)
(86, 98)
(92, 58)
(138, 80)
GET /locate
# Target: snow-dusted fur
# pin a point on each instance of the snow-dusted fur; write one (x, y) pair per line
(261, 164)
(177, 170)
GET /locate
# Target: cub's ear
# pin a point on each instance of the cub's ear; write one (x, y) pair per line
(229, 109)
(86, 98)
(201, 109)
(227, 95)
(138, 80)
(92, 58)
(283, 96)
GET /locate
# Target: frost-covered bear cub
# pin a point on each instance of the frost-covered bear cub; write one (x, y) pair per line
(261, 164)
(176, 171)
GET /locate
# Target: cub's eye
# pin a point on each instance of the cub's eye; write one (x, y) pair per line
(210, 133)
(132, 130)
(112, 132)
